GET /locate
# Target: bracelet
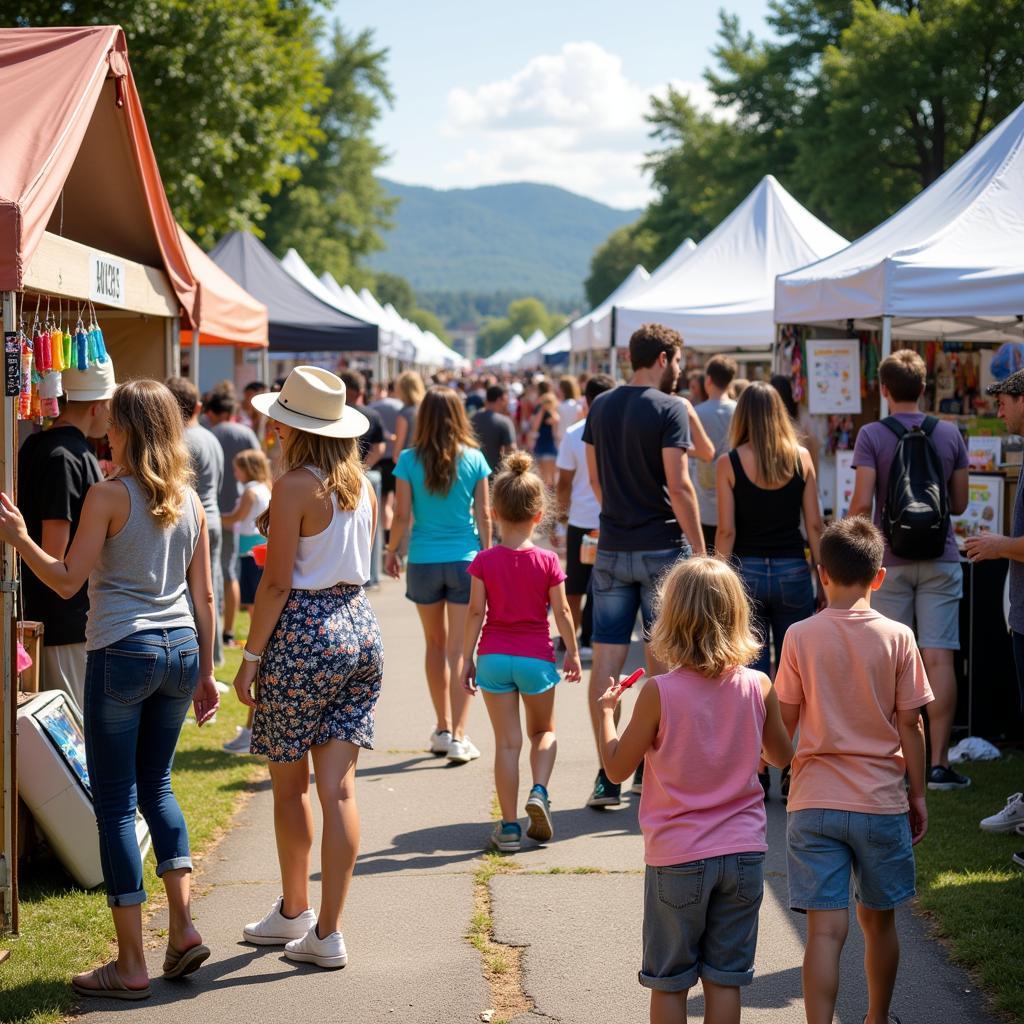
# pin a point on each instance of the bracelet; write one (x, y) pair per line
(247, 655)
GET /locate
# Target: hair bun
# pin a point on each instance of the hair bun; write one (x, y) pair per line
(518, 462)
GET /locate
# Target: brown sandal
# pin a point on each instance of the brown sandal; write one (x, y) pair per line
(110, 986)
(177, 965)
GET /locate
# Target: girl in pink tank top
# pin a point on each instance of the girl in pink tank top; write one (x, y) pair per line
(701, 729)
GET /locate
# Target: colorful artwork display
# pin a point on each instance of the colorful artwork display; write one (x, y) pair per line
(833, 376)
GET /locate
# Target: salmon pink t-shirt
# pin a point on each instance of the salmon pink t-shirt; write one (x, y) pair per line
(850, 670)
(517, 584)
(701, 796)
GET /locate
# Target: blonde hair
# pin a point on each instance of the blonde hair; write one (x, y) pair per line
(518, 493)
(337, 459)
(703, 618)
(155, 453)
(761, 421)
(410, 387)
(254, 464)
(442, 431)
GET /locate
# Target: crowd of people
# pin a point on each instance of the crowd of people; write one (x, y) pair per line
(687, 502)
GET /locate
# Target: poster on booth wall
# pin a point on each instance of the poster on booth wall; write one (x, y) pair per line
(984, 453)
(984, 512)
(846, 477)
(833, 376)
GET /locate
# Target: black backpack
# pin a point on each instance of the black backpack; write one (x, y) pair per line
(915, 517)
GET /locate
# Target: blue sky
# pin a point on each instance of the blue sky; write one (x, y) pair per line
(549, 91)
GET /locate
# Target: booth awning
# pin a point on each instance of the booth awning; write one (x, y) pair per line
(589, 331)
(76, 157)
(230, 315)
(723, 295)
(299, 321)
(949, 264)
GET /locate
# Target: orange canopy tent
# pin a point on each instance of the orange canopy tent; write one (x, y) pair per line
(77, 160)
(230, 315)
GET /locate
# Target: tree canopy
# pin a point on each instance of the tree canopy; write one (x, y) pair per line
(523, 317)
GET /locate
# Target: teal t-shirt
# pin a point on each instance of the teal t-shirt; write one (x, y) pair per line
(443, 528)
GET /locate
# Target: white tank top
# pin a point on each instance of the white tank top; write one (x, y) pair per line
(260, 501)
(341, 552)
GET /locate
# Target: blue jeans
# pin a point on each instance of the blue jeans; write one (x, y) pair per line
(137, 693)
(624, 583)
(780, 594)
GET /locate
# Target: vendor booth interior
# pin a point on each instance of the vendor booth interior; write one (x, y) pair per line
(91, 268)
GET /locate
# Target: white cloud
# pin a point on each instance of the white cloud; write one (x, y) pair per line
(572, 119)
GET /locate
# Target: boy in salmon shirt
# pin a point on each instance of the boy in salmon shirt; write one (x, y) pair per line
(854, 683)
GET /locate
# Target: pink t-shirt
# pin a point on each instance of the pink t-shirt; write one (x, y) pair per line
(701, 796)
(850, 670)
(517, 584)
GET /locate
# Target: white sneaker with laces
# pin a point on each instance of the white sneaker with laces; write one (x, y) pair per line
(311, 949)
(1008, 819)
(463, 751)
(440, 742)
(240, 744)
(275, 929)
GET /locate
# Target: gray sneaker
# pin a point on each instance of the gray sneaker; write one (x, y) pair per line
(538, 810)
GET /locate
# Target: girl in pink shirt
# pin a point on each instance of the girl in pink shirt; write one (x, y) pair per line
(514, 583)
(701, 729)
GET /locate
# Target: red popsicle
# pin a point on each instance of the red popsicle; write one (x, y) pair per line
(627, 683)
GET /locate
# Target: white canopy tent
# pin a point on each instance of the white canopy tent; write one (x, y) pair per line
(531, 356)
(949, 265)
(722, 296)
(508, 354)
(593, 330)
(559, 344)
(679, 256)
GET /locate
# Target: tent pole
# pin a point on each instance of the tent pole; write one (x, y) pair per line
(883, 405)
(193, 363)
(8, 654)
(613, 360)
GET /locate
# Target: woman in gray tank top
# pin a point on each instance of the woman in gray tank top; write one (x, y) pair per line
(142, 543)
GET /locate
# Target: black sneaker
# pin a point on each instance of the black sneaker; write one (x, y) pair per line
(784, 784)
(941, 777)
(766, 783)
(638, 780)
(606, 794)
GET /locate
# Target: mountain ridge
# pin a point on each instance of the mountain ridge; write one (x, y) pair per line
(525, 237)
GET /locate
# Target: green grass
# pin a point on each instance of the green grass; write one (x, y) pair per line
(65, 929)
(969, 886)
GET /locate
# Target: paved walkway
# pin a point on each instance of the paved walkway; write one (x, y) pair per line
(424, 826)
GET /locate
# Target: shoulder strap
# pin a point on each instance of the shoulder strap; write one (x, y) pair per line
(928, 424)
(895, 426)
(737, 466)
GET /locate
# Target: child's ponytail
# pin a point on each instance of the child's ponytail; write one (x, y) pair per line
(518, 492)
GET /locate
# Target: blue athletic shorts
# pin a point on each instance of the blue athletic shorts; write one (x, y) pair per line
(508, 673)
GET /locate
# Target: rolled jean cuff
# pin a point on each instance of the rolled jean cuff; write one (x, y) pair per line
(172, 864)
(130, 899)
(731, 979)
(676, 983)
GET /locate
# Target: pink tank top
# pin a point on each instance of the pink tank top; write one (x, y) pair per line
(701, 796)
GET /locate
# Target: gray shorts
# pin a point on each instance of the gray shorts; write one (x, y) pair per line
(229, 554)
(700, 921)
(430, 582)
(926, 597)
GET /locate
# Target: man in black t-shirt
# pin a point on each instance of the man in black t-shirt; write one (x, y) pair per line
(637, 437)
(55, 470)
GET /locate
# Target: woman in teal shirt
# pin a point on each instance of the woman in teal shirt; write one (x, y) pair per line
(441, 483)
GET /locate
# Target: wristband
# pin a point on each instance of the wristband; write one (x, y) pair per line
(247, 655)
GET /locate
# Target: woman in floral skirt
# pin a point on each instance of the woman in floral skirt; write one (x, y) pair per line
(314, 655)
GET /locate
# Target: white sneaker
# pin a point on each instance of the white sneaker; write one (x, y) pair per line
(462, 751)
(311, 949)
(1008, 819)
(275, 929)
(440, 742)
(222, 687)
(240, 744)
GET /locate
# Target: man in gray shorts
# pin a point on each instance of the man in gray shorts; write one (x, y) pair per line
(220, 407)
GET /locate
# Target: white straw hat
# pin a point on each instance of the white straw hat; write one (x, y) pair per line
(93, 384)
(313, 399)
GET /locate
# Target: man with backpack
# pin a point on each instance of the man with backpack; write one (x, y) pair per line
(914, 468)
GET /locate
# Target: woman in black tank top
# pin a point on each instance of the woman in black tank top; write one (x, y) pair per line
(766, 483)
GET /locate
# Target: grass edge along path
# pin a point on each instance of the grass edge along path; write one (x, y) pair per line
(65, 929)
(968, 887)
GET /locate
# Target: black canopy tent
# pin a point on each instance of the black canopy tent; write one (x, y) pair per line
(299, 321)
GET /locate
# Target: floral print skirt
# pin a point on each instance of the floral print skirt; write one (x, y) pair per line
(320, 674)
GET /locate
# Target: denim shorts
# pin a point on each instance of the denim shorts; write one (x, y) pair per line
(926, 597)
(685, 939)
(430, 582)
(509, 673)
(827, 846)
(624, 583)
